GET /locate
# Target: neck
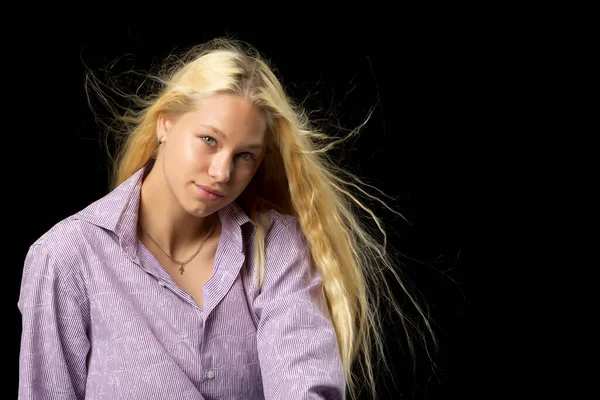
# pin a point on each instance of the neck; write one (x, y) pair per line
(173, 228)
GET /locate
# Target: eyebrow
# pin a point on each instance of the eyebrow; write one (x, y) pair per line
(257, 146)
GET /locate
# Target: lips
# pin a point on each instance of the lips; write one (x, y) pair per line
(211, 190)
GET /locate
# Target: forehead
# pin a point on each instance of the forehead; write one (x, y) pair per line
(234, 117)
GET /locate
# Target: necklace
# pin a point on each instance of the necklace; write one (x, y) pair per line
(181, 264)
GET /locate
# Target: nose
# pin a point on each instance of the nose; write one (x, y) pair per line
(220, 168)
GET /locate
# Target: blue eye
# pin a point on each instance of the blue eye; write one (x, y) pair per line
(247, 156)
(209, 141)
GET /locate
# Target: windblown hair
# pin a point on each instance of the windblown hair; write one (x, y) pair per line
(296, 178)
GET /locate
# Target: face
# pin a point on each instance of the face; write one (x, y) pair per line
(210, 154)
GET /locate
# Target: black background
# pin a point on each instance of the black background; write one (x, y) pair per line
(422, 78)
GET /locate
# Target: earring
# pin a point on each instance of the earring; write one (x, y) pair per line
(160, 140)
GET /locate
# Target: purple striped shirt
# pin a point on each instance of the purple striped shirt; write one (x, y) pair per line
(102, 319)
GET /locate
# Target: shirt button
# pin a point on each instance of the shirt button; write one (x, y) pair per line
(162, 283)
(210, 374)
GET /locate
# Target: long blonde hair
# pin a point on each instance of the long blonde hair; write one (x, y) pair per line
(297, 178)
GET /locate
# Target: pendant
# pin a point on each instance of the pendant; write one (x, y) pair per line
(181, 269)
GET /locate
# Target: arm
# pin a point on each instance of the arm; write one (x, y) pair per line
(54, 343)
(297, 346)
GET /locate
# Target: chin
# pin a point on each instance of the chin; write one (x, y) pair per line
(202, 213)
(199, 209)
(203, 210)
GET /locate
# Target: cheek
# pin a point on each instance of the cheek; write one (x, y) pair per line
(244, 174)
(197, 155)
(192, 152)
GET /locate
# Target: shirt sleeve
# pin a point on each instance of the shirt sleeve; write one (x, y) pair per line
(297, 346)
(54, 341)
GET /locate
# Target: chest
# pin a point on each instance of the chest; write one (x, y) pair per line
(192, 276)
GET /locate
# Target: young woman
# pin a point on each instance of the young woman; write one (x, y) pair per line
(228, 260)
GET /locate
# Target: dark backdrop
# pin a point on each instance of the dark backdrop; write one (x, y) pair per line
(420, 82)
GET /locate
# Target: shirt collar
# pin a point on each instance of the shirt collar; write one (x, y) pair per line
(118, 211)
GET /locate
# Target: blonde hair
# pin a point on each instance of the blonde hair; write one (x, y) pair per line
(296, 178)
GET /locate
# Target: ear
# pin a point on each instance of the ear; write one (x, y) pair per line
(163, 125)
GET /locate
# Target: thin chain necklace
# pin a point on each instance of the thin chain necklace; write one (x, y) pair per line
(181, 264)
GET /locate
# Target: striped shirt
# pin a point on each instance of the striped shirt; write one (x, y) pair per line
(102, 319)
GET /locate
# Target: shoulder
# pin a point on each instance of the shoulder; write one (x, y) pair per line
(59, 249)
(284, 231)
(278, 222)
(66, 235)
(52, 264)
(277, 218)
